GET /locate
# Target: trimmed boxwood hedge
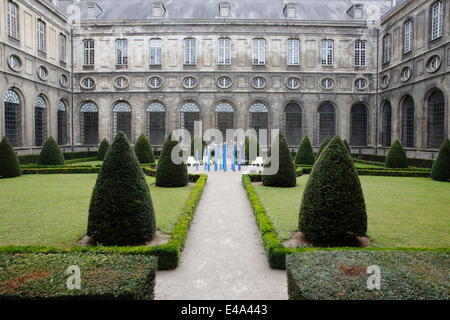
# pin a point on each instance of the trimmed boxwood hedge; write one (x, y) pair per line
(168, 254)
(169, 174)
(396, 157)
(322, 147)
(102, 150)
(305, 154)
(342, 275)
(144, 150)
(33, 158)
(43, 276)
(51, 154)
(9, 164)
(121, 209)
(441, 167)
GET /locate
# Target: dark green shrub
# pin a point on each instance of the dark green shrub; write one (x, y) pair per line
(305, 153)
(347, 146)
(102, 150)
(286, 176)
(324, 144)
(144, 150)
(51, 154)
(396, 157)
(441, 167)
(169, 174)
(121, 210)
(9, 163)
(333, 210)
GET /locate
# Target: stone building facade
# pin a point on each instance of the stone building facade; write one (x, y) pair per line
(306, 67)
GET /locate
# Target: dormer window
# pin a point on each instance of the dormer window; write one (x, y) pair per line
(93, 10)
(224, 9)
(356, 11)
(290, 11)
(158, 9)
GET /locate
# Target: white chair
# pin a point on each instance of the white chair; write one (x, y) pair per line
(259, 162)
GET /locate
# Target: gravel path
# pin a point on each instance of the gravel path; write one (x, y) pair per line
(223, 258)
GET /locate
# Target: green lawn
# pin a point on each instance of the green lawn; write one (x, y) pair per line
(409, 212)
(52, 210)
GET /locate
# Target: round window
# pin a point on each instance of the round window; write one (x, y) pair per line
(434, 63)
(293, 83)
(155, 82)
(405, 75)
(259, 83)
(361, 84)
(385, 81)
(14, 62)
(224, 82)
(327, 83)
(190, 82)
(87, 83)
(42, 73)
(64, 80)
(121, 83)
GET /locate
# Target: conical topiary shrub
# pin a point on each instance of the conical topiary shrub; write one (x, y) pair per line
(51, 154)
(169, 174)
(441, 166)
(121, 210)
(285, 177)
(144, 150)
(324, 144)
(333, 210)
(102, 150)
(396, 157)
(9, 163)
(347, 146)
(305, 153)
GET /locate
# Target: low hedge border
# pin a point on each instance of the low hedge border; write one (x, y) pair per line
(43, 277)
(168, 254)
(33, 158)
(275, 250)
(378, 172)
(34, 169)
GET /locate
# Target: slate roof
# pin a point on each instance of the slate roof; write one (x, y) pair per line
(320, 10)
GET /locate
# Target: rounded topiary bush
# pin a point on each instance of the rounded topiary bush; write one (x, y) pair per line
(51, 154)
(285, 176)
(9, 163)
(305, 153)
(169, 174)
(441, 166)
(144, 150)
(396, 157)
(121, 210)
(102, 150)
(333, 210)
(324, 144)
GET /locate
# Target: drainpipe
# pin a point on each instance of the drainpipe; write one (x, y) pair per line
(71, 89)
(377, 92)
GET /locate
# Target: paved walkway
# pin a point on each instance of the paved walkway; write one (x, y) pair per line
(223, 258)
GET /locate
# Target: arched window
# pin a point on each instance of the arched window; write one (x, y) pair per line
(359, 125)
(62, 122)
(40, 121)
(89, 124)
(224, 118)
(293, 129)
(190, 112)
(122, 119)
(259, 119)
(408, 123)
(386, 125)
(13, 118)
(156, 123)
(436, 119)
(327, 121)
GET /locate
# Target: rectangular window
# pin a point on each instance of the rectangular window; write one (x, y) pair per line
(190, 51)
(436, 20)
(224, 51)
(12, 21)
(407, 36)
(89, 52)
(293, 52)
(155, 52)
(386, 48)
(62, 47)
(122, 52)
(360, 53)
(259, 52)
(326, 52)
(41, 36)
